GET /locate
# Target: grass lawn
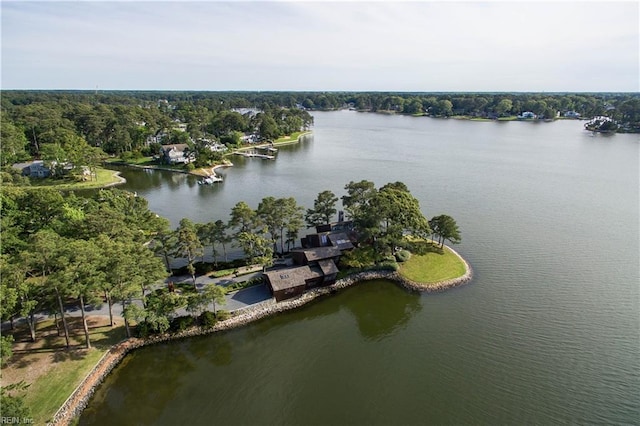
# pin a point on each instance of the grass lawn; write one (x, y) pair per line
(433, 267)
(51, 371)
(104, 178)
(291, 138)
(139, 161)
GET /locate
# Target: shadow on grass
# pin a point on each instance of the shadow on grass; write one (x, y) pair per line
(423, 247)
(51, 340)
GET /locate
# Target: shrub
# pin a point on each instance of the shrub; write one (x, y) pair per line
(182, 323)
(387, 266)
(143, 330)
(360, 257)
(222, 315)
(207, 319)
(6, 348)
(403, 255)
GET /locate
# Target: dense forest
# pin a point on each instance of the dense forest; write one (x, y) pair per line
(55, 124)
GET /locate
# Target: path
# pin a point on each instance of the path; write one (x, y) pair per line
(236, 300)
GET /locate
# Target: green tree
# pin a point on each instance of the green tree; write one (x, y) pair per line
(324, 209)
(446, 228)
(503, 107)
(243, 218)
(188, 246)
(256, 247)
(14, 143)
(220, 232)
(392, 213)
(358, 196)
(12, 401)
(164, 244)
(82, 272)
(6, 349)
(129, 268)
(42, 258)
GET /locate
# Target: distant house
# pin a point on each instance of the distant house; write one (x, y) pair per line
(180, 127)
(572, 114)
(176, 154)
(35, 169)
(250, 138)
(527, 115)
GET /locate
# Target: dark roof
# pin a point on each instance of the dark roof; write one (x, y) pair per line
(340, 240)
(328, 267)
(319, 253)
(282, 279)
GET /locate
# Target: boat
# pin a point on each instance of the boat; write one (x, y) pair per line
(210, 180)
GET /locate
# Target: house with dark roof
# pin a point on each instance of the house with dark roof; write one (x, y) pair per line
(315, 264)
(290, 282)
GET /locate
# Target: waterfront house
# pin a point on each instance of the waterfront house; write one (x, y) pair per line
(314, 264)
(572, 114)
(176, 154)
(527, 115)
(290, 282)
(34, 169)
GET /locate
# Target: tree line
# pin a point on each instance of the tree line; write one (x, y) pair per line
(56, 124)
(76, 128)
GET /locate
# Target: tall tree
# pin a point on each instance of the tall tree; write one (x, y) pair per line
(42, 257)
(82, 272)
(256, 247)
(243, 218)
(14, 143)
(358, 195)
(164, 244)
(324, 209)
(130, 267)
(188, 246)
(446, 228)
(220, 232)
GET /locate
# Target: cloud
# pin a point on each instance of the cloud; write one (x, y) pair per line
(321, 45)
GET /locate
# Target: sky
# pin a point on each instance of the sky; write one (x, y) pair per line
(415, 46)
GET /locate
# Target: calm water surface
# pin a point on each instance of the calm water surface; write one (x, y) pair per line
(547, 332)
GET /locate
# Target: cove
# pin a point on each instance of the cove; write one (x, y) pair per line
(545, 333)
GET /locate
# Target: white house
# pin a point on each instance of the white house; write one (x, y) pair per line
(177, 154)
(527, 115)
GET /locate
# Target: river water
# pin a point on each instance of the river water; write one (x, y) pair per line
(547, 331)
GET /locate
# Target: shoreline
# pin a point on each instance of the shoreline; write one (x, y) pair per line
(203, 171)
(79, 398)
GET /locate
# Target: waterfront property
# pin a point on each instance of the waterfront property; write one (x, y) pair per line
(176, 154)
(35, 169)
(314, 264)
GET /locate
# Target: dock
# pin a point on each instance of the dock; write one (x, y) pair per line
(255, 154)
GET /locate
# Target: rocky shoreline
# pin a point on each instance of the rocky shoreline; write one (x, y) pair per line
(78, 400)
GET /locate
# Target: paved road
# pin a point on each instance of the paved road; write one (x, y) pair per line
(236, 300)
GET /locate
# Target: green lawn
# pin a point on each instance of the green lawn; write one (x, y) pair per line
(47, 394)
(291, 138)
(104, 178)
(139, 161)
(433, 267)
(59, 371)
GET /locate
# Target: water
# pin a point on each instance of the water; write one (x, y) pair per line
(547, 332)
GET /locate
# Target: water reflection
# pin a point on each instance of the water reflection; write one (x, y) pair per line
(161, 376)
(381, 308)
